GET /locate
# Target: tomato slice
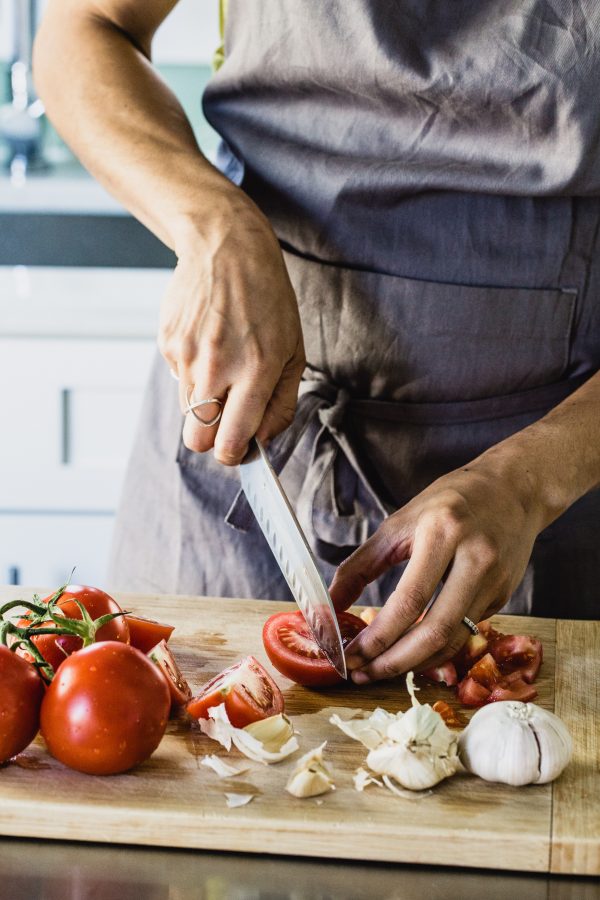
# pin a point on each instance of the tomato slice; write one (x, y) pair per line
(444, 674)
(513, 689)
(145, 634)
(180, 690)
(247, 690)
(294, 652)
(475, 647)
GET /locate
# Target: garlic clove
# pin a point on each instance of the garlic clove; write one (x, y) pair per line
(280, 742)
(311, 776)
(415, 767)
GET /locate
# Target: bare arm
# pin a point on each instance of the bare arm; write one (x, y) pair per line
(229, 323)
(474, 528)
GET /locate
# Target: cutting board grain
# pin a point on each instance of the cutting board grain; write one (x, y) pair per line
(172, 800)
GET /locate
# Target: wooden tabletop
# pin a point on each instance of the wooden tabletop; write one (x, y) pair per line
(173, 801)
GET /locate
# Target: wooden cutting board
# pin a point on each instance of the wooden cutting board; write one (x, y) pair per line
(173, 801)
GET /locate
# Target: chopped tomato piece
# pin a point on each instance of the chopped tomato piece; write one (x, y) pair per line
(518, 652)
(452, 717)
(487, 630)
(146, 633)
(247, 690)
(180, 690)
(474, 649)
(444, 674)
(471, 693)
(515, 689)
(485, 671)
(368, 614)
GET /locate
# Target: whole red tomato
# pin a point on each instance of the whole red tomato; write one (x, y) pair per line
(56, 649)
(106, 709)
(21, 693)
(294, 652)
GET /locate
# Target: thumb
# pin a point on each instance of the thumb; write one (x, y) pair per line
(378, 554)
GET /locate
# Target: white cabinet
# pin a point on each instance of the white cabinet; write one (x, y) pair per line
(69, 408)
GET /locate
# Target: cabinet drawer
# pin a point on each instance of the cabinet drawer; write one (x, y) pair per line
(69, 410)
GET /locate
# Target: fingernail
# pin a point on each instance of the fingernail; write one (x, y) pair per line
(354, 662)
(360, 677)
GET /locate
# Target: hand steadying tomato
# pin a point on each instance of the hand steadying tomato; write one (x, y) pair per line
(247, 690)
(21, 693)
(106, 709)
(145, 634)
(294, 652)
(55, 649)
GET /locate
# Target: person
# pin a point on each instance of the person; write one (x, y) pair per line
(391, 274)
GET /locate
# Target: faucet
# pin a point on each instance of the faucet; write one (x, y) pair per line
(21, 119)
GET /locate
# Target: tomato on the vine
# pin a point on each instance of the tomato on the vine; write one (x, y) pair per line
(294, 652)
(247, 690)
(21, 694)
(106, 709)
(55, 649)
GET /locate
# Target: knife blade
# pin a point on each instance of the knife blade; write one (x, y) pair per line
(288, 543)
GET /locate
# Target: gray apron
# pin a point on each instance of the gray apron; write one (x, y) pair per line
(437, 320)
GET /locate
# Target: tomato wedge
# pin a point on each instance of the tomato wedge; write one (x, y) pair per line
(247, 690)
(294, 652)
(180, 690)
(518, 653)
(145, 634)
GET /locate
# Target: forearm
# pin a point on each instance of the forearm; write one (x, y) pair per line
(555, 460)
(129, 130)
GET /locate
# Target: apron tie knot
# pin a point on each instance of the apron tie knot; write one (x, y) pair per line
(333, 498)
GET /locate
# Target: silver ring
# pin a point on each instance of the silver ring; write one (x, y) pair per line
(470, 625)
(196, 404)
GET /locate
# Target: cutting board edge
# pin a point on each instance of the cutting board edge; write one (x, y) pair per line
(509, 855)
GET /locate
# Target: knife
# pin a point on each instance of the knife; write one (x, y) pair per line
(286, 539)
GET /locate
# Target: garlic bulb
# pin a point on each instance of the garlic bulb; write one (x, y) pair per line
(515, 743)
(311, 775)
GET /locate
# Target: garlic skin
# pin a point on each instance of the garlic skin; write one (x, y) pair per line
(420, 750)
(415, 748)
(515, 743)
(311, 776)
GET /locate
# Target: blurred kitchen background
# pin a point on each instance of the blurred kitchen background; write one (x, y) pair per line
(80, 286)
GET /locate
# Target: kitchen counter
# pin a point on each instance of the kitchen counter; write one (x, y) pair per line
(67, 871)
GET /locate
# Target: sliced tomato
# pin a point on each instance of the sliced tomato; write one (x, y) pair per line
(487, 630)
(145, 634)
(518, 652)
(475, 647)
(247, 690)
(485, 671)
(181, 692)
(452, 717)
(471, 693)
(444, 674)
(294, 652)
(513, 689)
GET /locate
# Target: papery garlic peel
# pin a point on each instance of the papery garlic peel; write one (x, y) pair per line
(515, 743)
